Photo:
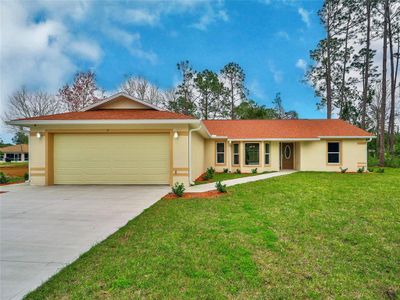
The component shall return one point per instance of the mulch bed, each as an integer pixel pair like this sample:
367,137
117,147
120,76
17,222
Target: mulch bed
14,171
209,194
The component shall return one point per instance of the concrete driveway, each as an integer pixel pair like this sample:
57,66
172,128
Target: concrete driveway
45,228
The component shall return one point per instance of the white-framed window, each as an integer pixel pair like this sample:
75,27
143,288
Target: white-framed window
236,155
252,154
267,154
26,156
220,153
333,152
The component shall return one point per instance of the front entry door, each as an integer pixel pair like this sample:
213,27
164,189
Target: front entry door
287,154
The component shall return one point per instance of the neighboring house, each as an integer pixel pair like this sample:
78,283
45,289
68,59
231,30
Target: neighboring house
14,153
125,141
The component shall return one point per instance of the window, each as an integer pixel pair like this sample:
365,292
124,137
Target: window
236,160
267,154
333,152
26,156
252,154
220,147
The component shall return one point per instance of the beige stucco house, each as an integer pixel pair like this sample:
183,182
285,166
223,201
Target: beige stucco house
121,140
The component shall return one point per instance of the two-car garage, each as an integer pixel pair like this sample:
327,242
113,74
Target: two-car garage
111,158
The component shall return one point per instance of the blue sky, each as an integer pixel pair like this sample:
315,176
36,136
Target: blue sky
45,42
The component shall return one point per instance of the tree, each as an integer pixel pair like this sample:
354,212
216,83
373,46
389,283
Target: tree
26,104
280,112
250,110
210,90
20,138
141,89
384,71
184,102
234,81
393,37
82,93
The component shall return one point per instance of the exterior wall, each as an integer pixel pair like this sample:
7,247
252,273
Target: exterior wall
41,168
314,156
198,155
122,103
210,157
37,159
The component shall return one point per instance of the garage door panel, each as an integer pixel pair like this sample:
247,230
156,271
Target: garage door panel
111,159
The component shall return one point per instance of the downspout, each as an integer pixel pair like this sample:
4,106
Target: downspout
190,152
368,140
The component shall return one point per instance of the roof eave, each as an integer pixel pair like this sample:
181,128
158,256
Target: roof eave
100,122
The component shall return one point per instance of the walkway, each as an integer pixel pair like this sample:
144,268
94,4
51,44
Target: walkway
211,186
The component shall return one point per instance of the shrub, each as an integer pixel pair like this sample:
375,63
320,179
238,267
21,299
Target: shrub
254,171
226,170
380,170
3,178
26,176
343,170
371,170
238,171
361,170
178,189
220,187
209,173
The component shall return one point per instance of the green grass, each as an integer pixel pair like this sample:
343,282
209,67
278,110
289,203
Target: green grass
305,235
14,164
227,176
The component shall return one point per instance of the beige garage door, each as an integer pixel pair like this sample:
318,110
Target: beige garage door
111,159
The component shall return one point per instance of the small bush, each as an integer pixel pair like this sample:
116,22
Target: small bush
26,176
220,187
371,170
209,173
3,178
226,170
361,170
380,170
178,189
343,170
238,171
254,171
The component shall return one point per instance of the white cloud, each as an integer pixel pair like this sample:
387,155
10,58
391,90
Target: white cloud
141,17
283,34
256,89
211,16
277,75
301,64
38,54
305,16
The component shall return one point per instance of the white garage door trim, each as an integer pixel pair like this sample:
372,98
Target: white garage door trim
111,158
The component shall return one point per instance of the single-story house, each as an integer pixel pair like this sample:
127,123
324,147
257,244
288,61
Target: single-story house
121,140
14,153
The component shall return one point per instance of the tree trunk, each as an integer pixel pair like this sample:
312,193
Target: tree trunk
342,88
391,130
383,103
366,69
328,76
232,102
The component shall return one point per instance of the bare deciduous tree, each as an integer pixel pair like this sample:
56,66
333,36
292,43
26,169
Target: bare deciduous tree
141,89
82,93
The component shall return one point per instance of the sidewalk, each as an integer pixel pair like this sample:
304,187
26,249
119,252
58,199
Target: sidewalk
211,186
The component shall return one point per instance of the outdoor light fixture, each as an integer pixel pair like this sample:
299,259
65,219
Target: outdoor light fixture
38,135
176,135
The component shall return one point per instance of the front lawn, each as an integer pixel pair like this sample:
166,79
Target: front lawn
304,235
13,164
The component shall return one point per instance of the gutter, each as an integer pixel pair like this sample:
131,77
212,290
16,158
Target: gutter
101,122
190,152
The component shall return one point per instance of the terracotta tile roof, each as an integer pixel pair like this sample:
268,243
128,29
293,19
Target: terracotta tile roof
113,114
21,148
249,129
